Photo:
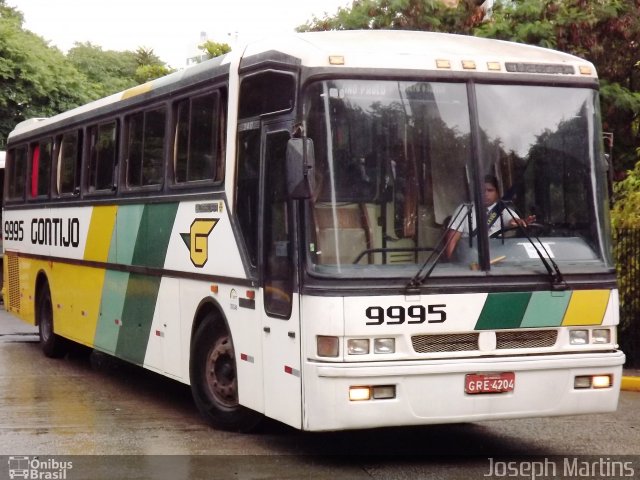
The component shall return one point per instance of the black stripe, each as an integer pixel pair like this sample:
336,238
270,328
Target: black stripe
155,272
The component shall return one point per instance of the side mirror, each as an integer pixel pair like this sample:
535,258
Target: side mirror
300,165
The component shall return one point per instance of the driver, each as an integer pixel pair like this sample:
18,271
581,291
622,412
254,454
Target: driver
498,217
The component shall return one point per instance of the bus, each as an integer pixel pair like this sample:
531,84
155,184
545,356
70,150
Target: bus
272,228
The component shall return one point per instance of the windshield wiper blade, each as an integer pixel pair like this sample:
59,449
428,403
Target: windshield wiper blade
555,275
440,248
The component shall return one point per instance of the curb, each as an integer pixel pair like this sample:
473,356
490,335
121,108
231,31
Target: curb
630,384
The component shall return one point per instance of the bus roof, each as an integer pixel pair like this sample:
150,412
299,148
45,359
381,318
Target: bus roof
370,49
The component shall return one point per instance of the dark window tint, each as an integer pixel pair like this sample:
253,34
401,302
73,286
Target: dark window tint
102,159
17,172
68,163
197,153
266,93
278,258
145,147
248,188
41,159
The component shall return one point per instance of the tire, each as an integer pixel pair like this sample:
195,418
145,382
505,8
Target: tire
214,383
53,346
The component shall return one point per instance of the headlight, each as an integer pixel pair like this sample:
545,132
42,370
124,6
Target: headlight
579,337
601,335
327,346
358,346
384,345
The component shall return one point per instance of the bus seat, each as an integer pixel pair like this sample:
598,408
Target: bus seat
352,233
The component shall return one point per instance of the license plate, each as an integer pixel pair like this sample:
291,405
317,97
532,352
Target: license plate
489,382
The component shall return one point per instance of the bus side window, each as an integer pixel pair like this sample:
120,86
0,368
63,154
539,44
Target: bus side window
197,155
102,157
267,92
17,173
41,159
145,148
68,172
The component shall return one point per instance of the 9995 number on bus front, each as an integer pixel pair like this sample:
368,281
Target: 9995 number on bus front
414,314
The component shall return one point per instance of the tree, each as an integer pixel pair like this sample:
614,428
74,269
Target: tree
36,80
107,72
430,15
213,49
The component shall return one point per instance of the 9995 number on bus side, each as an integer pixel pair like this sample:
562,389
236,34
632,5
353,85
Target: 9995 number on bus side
414,314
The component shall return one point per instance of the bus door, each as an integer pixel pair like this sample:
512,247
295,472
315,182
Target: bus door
280,307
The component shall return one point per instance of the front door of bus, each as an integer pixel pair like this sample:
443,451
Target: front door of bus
280,313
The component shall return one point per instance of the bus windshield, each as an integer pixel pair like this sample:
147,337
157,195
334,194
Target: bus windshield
399,165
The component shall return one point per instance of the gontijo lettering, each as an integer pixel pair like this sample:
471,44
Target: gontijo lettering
57,232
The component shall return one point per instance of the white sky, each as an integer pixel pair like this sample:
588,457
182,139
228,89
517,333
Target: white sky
170,27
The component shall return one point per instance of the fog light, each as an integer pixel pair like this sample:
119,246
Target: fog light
327,346
384,392
358,346
601,335
601,381
582,382
579,337
384,345
358,394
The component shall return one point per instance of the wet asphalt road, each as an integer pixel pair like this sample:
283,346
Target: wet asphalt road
113,420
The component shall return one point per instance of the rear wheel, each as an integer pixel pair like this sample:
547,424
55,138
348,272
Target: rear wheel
53,346
214,382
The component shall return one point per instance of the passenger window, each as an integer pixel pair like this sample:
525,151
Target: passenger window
69,156
102,157
145,148
17,173
41,159
197,153
267,92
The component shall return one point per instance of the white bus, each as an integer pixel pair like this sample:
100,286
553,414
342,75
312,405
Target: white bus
274,227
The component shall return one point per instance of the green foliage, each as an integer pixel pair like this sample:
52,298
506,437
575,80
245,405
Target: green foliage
107,72
36,80
213,49
431,15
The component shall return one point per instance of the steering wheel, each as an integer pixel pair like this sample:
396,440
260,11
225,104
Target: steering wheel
537,227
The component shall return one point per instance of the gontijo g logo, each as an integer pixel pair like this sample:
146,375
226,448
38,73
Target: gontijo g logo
197,240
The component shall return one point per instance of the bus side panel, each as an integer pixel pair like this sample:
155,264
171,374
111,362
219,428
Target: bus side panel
244,324
75,295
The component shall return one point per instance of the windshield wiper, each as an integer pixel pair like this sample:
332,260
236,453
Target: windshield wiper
555,275
441,246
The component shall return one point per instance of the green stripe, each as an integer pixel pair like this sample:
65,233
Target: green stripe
111,307
125,234
156,225
137,316
546,309
503,310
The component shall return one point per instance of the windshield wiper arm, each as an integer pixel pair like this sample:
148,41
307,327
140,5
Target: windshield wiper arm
441,247
555,275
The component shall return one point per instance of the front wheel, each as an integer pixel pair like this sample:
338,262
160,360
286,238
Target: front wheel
53,346
214,382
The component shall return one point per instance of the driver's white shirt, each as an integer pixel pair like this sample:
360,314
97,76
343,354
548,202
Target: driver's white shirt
460,221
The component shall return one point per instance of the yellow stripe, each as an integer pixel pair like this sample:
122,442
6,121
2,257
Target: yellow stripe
586,307
139,90
100,230
630,384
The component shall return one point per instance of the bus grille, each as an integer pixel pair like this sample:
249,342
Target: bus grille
468,342
456,342
526,339
13,282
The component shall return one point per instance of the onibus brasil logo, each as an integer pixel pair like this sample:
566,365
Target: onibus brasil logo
36,468
197,240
